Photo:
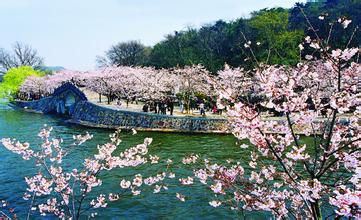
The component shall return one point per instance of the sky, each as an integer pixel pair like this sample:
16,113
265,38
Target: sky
71,33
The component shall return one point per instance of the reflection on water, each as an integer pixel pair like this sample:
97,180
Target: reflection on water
25,126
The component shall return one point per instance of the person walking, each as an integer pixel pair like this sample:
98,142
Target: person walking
161,108
220,108
181,106
145,107
201,109
164,104
214,109
156,107
119,102
171,106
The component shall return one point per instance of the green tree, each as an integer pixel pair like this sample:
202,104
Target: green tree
278,30
131,53
222,42
237,55
278,44
215,45
178,49
14,78
208,46
330,11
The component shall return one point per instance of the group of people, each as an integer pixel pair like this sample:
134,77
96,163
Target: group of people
167,105
208,105
160,106
216,109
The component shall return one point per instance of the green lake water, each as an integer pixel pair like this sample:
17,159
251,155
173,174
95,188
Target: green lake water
24,126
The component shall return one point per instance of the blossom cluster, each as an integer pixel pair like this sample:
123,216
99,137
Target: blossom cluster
66,190
314,139
124,82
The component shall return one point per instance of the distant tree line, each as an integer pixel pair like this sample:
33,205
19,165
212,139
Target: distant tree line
274,35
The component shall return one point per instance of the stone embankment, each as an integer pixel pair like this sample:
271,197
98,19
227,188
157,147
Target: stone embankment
69,102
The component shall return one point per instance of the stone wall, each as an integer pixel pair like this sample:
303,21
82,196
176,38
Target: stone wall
44,105
92,115
68,101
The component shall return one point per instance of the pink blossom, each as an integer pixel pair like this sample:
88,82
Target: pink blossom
180,197
191,159
39,185
186,181
298,153
153,159
113,197
51,206
100,202
217,188
202,175
82,138
157,189
138,180
348,202
125,184
215,203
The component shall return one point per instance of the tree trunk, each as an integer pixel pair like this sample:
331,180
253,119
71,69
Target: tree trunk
316,211
187,101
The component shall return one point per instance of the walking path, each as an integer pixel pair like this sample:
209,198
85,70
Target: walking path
94,98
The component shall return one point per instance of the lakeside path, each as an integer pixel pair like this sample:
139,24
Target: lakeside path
94,98
84,108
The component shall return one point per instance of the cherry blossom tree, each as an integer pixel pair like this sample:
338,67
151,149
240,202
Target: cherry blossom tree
33,87
314,147
45,86
303,164
125,82
128,82
190,80
233,79
65,190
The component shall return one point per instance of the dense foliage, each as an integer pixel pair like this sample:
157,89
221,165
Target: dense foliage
322,15
274,32
15,77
